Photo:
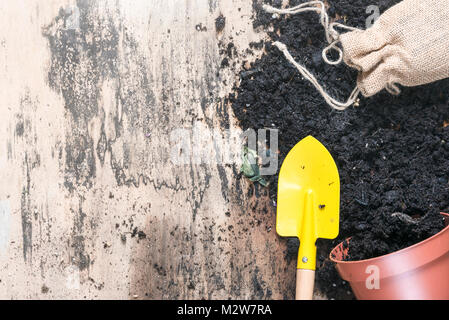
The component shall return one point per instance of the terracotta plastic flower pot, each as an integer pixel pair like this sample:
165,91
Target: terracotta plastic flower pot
419,272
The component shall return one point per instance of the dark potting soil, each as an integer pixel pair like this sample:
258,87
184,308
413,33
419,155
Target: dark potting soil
392,152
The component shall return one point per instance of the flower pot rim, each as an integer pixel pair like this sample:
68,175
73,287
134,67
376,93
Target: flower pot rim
388,254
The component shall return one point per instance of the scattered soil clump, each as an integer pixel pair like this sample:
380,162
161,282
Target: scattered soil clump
220,23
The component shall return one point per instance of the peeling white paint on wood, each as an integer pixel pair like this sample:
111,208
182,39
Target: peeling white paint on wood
5,214
97,210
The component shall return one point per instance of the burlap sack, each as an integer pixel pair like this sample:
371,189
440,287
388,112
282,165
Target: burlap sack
407,45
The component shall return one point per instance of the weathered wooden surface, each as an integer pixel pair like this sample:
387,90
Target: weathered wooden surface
87,108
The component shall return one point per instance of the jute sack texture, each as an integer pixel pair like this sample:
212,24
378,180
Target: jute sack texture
407,45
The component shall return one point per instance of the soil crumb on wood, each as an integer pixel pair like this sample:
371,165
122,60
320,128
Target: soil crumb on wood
220,23
392,152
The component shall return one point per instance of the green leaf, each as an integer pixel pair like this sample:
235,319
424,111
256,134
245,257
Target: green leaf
263,182
250,168
247,168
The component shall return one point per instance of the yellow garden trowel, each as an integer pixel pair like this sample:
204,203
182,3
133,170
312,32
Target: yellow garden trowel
308,205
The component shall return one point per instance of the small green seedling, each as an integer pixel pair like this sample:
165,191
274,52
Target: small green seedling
250,168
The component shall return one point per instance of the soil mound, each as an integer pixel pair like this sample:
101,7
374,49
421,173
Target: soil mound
392,151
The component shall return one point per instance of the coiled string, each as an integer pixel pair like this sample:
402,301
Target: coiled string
332,37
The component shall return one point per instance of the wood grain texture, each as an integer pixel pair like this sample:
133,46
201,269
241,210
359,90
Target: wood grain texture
93,205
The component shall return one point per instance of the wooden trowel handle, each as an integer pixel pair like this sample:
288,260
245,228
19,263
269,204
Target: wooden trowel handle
305,280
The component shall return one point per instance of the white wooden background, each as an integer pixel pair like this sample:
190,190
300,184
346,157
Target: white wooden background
90,92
